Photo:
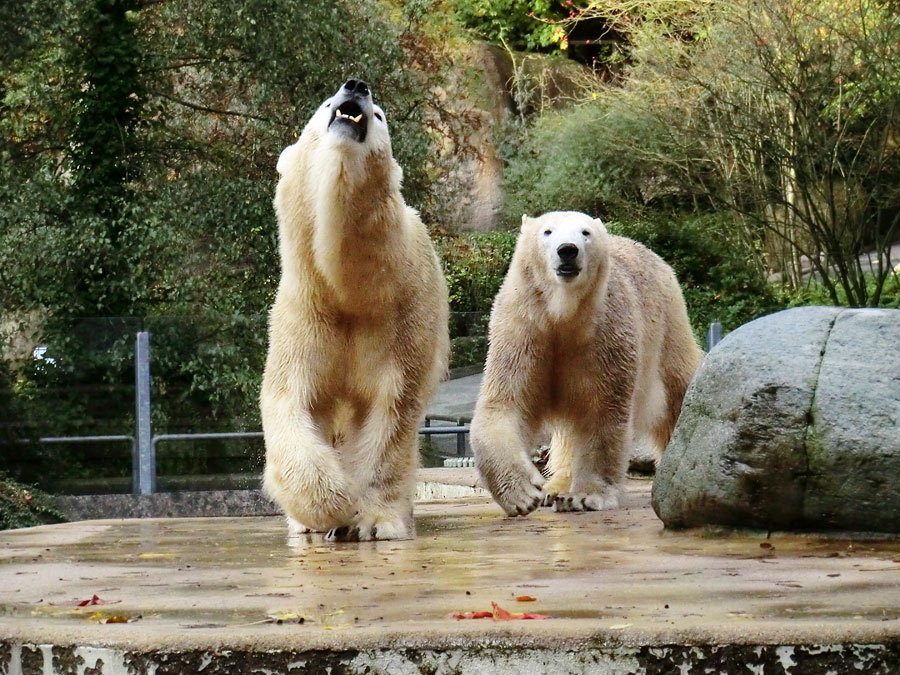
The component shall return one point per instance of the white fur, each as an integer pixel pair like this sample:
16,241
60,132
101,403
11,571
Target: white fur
577,229
596,348
358,336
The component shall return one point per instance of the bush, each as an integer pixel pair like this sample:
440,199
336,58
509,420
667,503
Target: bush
570,161
24,506
522,24
718,275
475,264
815,293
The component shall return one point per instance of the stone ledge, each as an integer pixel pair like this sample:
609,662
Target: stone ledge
431,485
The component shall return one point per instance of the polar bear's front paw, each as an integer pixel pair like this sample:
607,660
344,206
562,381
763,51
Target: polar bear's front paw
519,498
553,487
583,501
369,528
296,528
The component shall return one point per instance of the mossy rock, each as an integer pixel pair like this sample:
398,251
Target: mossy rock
792,422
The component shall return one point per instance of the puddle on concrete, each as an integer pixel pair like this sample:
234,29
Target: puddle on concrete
612,568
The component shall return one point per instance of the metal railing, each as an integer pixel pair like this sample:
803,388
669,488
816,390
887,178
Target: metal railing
144,443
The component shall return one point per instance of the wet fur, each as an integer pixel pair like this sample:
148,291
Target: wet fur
357,339
600,363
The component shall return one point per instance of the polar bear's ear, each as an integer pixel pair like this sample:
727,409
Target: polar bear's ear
285,158
525,220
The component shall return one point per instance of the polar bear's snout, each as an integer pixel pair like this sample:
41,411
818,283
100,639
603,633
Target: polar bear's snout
352,108
567,255
356,87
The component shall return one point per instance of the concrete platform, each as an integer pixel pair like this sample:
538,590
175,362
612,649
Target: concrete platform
233,595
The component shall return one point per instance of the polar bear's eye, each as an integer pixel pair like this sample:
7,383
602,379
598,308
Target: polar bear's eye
547,233
585,233
380,118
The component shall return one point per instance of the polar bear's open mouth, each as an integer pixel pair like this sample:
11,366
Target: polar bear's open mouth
350,116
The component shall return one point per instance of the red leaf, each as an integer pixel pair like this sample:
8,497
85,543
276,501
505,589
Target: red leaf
96,600
501,614
525,598
471,615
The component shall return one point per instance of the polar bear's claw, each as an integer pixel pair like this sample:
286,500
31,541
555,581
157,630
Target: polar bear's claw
296,528
520,499
581,501
370,529
343,533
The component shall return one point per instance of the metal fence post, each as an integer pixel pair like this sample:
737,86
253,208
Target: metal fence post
713,335
143,462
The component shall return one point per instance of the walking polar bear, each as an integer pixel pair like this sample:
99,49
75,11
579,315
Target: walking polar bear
589,339
358,333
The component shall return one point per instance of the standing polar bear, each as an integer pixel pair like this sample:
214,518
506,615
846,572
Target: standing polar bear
358,333
589,340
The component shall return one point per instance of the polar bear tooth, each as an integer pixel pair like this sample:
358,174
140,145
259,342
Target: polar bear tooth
357,118
337,113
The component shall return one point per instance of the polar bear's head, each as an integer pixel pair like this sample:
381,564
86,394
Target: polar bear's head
571,245
567,256
347,126
351,119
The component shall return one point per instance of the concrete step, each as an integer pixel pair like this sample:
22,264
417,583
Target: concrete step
235,595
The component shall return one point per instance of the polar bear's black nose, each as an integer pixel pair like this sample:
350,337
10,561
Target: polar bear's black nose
567,252
357,87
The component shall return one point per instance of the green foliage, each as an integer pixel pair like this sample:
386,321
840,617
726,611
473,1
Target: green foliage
521,24
815,293
569,160
137,151
468,350
25,506
475,264
781,113
784,115
107,104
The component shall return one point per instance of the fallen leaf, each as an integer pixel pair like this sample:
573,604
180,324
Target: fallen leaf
619,626
498,614
286,617
96,600
471,615
103,617
525,598
501,614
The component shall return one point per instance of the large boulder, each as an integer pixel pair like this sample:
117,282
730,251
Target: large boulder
791,422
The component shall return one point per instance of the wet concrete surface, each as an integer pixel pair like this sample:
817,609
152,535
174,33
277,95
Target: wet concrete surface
607,580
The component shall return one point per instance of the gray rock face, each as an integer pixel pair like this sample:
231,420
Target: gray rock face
792,422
